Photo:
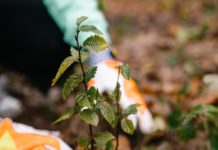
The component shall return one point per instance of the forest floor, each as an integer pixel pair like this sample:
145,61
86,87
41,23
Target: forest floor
172,48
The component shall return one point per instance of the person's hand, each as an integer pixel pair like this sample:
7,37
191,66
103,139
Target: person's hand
15,136
105,81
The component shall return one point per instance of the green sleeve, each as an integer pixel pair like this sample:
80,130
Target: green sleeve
65,13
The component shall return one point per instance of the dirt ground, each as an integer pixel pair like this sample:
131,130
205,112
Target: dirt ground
171,46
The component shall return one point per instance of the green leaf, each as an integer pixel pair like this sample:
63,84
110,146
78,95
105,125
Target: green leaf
116,121
83,141
68,114
90,73
107,112
70,84
94,94
81,19
63,67
109,146
211,113
210,108
193,114
111,95
127,126
187,132
117,92
206,110
213,140
126,71
184,90
214,143
84,56
96,43
131,109
89,116
212,117
82,99
102,138
75,55
174,118
90,28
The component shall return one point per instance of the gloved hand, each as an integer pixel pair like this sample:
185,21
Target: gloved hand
15,136
105,80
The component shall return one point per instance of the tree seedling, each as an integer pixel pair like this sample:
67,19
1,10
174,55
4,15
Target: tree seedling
205,116
89,102
121,116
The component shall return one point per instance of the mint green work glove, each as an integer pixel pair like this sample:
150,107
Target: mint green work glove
65,13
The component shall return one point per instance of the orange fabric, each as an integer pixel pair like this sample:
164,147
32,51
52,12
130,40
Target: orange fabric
130,87
132,91
39,148
91,83
28,141
112,63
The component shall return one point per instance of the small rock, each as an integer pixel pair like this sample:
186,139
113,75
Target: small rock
211,80
10,107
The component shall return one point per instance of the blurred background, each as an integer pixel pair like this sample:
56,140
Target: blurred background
171,46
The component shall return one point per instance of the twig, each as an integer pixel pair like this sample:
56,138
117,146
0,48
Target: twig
206,128
84,83
118,111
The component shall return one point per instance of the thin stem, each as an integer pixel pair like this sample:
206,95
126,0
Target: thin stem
91,134
79,48
118,111
206,128
117,137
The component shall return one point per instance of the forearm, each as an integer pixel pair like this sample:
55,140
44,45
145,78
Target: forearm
65,13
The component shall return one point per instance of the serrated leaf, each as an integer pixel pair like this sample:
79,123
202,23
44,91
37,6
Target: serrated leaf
68,114
96,43
90,28
111,95
82,99
116,121
81,19
213,140
193,114
75,55
84,56
127,126
90,73
94,94
109,146
89,116
212,117
117,92
107,112
63,67
206,110
69,85
126,71
174,118
131,109
210,108
83,141
102,138
187,132
211,113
